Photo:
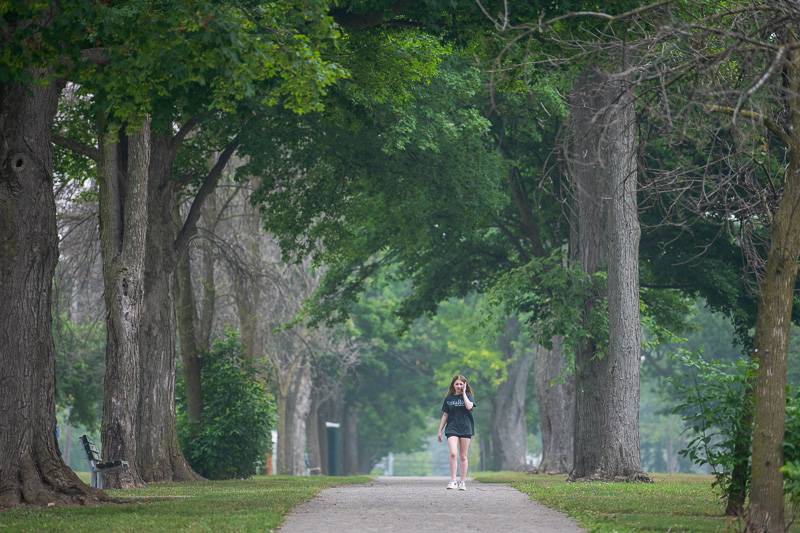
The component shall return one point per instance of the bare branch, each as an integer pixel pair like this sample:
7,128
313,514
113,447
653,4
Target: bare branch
76,146
768,123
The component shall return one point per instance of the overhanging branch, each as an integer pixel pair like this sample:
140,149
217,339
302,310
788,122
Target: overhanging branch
209,183
76,146
768,123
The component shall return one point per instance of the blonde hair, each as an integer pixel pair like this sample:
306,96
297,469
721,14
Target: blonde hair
459,377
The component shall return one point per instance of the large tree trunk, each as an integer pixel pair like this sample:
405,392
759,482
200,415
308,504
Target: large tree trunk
123,166
159,457
350,465
509,431
771,346
766,511
31,469
607,384
555,395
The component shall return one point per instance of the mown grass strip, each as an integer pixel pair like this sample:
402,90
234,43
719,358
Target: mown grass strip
674,503
257,504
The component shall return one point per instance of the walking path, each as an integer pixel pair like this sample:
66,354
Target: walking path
422,504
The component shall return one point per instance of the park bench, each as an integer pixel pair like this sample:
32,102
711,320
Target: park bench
99,467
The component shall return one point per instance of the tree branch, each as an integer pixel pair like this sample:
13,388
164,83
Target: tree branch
768,123
184,130
209,183
78,147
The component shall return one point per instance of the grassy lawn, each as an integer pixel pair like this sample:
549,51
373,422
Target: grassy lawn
257,504
673,503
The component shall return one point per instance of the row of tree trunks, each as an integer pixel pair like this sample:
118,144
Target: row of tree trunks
555,396
294,406
124,161
31,468
604,172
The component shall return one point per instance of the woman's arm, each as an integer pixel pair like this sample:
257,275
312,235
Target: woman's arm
442,422
468,404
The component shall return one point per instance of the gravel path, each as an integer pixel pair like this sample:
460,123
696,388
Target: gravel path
422,504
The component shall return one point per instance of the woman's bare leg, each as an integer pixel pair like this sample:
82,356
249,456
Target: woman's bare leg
452,443
464,456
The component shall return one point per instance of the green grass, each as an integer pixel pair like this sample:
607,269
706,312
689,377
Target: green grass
679,502
257,504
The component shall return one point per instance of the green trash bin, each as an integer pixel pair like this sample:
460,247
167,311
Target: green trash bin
334,445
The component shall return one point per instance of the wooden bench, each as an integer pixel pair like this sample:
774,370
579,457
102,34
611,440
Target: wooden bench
99,467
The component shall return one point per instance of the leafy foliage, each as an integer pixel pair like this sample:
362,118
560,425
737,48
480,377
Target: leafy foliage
791,450
551,297
716,400
80,366
237,417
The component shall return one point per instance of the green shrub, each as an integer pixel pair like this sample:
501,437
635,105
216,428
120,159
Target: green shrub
716,401
791,450
716,397
237,416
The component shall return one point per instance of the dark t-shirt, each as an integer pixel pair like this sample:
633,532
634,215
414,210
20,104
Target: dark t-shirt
459,420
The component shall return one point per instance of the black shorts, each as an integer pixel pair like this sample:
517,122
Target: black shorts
448,435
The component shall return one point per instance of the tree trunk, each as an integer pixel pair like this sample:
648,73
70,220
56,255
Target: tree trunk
323,416
555,395
766,513
248,295
31,469
350,464
186,312
159,457
294,405
209,301
509,432
123,181
486,449
312,439
773,323
607,384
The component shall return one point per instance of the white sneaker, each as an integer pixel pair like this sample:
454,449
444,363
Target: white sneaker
452,485
462,485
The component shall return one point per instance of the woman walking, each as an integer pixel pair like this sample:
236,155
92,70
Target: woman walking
458,426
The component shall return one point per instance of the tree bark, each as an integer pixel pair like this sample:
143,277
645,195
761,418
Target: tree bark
159,457
607,384
31,469
209,300
313,440
509,431
123,180
186,312
294,404
555,395
773,323
766,512
350,465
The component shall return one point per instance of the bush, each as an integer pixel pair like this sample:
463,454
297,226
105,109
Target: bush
716,401
791,450
237,416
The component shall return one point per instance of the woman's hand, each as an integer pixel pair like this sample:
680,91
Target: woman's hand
440,436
